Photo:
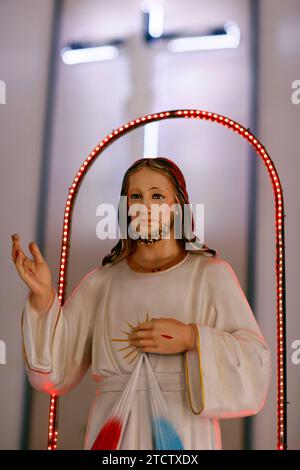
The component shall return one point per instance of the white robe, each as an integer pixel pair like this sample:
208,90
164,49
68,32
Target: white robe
227,376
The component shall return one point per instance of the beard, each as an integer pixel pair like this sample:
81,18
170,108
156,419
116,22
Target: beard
154,231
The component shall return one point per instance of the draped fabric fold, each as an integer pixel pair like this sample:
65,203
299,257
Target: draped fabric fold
229,372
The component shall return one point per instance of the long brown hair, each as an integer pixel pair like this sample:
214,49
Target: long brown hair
126,245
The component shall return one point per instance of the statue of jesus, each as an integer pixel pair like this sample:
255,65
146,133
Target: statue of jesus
172,298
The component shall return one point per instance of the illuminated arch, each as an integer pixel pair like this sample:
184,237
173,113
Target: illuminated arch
279,258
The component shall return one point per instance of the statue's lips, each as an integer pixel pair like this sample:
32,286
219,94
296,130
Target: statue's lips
148,220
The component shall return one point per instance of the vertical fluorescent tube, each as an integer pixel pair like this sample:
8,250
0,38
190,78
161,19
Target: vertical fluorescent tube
156,21
151,140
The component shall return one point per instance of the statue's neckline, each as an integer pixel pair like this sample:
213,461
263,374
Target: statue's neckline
158,272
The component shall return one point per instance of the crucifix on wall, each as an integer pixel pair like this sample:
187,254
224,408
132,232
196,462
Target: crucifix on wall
141,51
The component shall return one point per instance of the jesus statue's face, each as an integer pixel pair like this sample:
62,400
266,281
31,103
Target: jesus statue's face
154,192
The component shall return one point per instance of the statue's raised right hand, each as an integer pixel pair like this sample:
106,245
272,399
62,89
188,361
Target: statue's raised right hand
35,273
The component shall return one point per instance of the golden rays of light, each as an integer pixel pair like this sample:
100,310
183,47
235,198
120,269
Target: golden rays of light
127,340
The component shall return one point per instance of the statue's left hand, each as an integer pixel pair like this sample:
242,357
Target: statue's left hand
164,336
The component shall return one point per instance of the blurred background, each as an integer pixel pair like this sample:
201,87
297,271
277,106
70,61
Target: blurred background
73,70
